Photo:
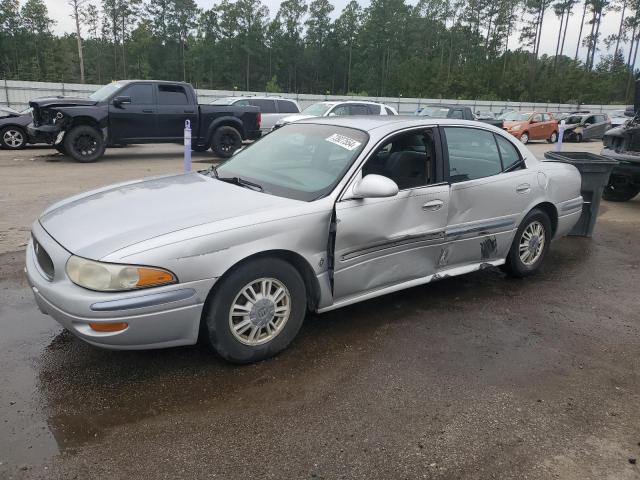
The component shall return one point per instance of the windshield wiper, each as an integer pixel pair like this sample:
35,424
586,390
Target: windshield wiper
240,182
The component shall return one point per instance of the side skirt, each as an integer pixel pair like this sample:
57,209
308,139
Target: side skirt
412,283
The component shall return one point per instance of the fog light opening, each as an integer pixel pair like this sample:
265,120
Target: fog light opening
109,327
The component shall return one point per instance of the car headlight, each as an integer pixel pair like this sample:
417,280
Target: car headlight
115,277
516,127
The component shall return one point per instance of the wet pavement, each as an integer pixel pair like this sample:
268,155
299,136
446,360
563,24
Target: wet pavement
479,376
474,377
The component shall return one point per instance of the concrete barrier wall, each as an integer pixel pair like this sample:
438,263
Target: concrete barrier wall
17,94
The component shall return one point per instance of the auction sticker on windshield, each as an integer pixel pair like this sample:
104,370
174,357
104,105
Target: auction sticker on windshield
343,141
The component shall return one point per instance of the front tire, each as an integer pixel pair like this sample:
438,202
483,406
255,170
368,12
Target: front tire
530,245
13,138
256,311
225,141
84,143
60,148
577,138
614,193
524,138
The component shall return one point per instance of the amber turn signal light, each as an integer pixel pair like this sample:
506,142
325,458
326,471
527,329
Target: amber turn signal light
109,327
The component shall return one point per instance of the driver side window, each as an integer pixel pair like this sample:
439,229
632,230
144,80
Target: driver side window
141,93
408,159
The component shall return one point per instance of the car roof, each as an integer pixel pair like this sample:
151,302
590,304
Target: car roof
338,102
256,97
372,122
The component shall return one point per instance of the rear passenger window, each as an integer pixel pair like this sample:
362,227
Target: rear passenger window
265,105
359,110
456,114
285,106
172,95
389,111
508,152
242,103
374,109
473,153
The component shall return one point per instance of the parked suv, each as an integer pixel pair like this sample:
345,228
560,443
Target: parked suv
531,126
272,108
332,109
586,126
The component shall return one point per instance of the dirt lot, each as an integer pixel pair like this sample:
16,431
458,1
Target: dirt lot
475,377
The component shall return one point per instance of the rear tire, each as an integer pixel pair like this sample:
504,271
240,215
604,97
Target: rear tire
553,138
530,245
624,193
524,138
225,141
13,138
245,330
84,143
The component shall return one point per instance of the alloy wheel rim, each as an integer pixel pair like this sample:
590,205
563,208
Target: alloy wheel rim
13,138
86,145
524,138
532,243
260,311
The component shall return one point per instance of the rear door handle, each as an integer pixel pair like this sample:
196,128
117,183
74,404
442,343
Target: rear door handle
523,188
147,110
433,205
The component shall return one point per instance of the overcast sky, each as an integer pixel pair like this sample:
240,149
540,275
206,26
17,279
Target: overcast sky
59,11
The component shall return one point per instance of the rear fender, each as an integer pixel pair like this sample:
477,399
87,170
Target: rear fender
226,120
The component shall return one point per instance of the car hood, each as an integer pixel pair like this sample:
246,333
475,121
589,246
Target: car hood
100,222
61,102
512,123
295,118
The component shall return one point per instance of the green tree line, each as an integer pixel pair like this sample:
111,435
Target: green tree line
467,49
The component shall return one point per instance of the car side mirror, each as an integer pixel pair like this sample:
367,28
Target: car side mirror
375,186
121,100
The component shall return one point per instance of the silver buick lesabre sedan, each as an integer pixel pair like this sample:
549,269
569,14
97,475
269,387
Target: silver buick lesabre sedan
320,214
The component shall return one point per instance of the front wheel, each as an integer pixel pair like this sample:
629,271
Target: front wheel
530,245
615,193
225,141
60,148
13,138
524,138
577,138
256,311
553,138
84,143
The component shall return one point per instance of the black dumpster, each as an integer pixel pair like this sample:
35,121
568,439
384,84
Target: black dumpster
595,171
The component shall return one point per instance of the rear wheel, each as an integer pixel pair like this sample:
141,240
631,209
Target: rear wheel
225,141
553,138
256,311
530,245
84,143
619,193
524,138
577,138
13,138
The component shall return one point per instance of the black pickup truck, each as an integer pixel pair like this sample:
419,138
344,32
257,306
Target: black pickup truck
140,111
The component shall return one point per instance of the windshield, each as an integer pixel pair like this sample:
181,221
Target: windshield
105,92
435,112
317,109
224,101
516,116
298,161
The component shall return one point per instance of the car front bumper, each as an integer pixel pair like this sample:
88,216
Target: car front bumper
43,133
157,317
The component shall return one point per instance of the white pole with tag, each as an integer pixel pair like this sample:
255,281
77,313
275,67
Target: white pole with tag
560,136
187,146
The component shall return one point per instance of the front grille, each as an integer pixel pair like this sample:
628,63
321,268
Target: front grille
44,260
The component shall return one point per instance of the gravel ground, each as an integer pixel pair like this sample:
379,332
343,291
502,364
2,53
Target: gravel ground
474,377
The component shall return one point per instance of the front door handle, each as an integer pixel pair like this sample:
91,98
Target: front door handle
433,205
523,188
147,110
